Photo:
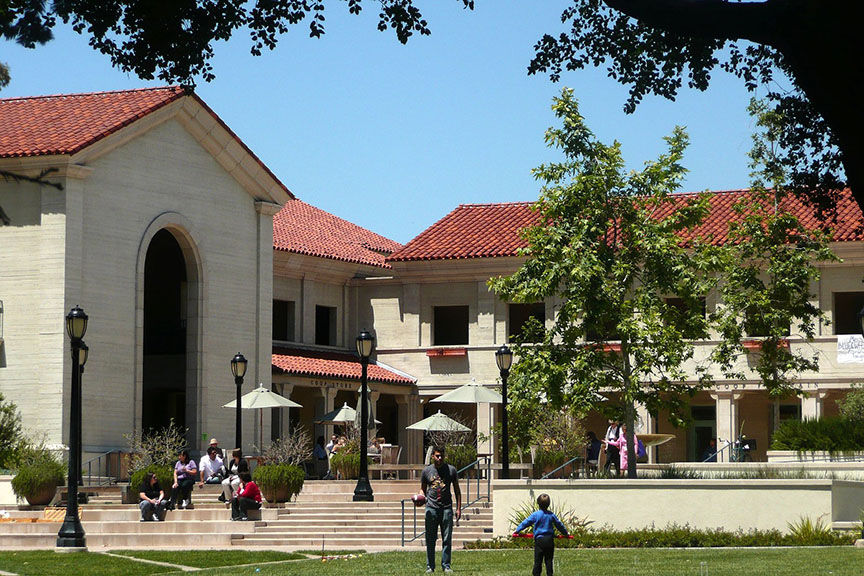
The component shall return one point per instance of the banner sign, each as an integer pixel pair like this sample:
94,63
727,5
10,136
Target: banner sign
850,349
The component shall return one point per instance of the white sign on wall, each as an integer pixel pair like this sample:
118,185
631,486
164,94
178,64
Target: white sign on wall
850,349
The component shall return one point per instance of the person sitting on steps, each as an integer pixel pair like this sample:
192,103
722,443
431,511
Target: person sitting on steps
237,465
184,480
152,498
248,497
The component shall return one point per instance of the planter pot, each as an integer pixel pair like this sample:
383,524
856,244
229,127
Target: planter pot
274,494
42,495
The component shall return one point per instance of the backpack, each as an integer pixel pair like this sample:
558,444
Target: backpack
640,449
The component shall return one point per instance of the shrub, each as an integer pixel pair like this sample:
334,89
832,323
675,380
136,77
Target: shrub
829,434
279,482
12,440
673,472
676,536
852,406
165,475
460,455
39,470
156,447
293,448
347,464
811,533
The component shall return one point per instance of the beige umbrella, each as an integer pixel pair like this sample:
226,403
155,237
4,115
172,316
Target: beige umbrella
471,393
260,399
439,422
343,415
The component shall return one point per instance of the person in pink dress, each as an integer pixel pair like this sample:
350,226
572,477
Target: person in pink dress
621,444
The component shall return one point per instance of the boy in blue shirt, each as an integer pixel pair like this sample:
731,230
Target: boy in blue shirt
544,523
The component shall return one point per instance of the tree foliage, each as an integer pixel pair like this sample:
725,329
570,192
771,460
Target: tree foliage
174,40
609,251
767,269
803,53
12,439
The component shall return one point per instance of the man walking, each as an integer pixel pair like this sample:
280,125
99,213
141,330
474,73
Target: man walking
435,483
613,455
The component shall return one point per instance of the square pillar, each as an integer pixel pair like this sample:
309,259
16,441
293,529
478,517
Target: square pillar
727,420
811,405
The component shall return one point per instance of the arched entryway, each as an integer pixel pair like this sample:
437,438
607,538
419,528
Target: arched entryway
168,327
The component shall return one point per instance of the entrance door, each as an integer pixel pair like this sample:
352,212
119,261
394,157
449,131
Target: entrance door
703,429
165,319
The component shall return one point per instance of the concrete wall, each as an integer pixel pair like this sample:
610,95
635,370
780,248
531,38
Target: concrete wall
728,504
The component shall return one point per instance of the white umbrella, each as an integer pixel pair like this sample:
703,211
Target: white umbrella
260,399
439,422
343,415
471,393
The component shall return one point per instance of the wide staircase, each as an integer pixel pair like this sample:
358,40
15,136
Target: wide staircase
323,515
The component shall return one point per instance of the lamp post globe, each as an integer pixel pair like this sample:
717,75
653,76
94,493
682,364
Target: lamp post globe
71,534
365,345
504,359
238,369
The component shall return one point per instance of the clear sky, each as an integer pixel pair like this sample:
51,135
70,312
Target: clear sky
393,137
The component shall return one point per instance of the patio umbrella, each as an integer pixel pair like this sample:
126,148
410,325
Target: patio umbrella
471,393
260,399
343,415
439,421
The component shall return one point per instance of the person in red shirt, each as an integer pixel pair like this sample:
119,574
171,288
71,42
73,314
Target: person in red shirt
248,497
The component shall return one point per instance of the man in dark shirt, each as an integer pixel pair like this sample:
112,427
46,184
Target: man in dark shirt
152,498
435,483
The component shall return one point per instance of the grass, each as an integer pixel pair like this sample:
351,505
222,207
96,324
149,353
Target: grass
834,561
211,558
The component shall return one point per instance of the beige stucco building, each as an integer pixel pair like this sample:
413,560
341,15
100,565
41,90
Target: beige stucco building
146,210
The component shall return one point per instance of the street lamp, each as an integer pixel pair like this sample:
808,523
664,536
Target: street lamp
363,492
83,352
71,534
504,359
238,368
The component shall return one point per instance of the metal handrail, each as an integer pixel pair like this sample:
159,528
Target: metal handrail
467,501
548,474
108,478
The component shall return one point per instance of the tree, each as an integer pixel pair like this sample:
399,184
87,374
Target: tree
11,434
767,269
610,249
657,46
174,40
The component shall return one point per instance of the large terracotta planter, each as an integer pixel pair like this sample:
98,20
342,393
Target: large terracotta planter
42,496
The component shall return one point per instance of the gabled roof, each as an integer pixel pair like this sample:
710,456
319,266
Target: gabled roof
493,230
67,123
343,365
303,229
472,231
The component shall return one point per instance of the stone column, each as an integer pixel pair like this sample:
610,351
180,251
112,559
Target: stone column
374,395
411,441
323,405
484,426
811,405
727,420
644,416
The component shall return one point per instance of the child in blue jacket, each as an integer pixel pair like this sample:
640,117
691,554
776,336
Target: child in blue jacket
544,523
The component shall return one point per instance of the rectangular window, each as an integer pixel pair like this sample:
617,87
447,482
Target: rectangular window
846,308
450,324
520,314
325,325
680,305
755,325
283,320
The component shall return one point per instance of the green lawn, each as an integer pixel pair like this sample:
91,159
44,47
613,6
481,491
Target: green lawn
210,558
837,561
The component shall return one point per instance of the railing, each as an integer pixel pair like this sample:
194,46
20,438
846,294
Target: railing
482,463
548,474
97,462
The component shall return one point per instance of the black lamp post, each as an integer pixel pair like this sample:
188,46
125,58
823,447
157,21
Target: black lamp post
238,368
83,352
363,492
504,358
71,534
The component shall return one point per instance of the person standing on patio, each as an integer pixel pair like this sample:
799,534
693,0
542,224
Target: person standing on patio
436,482
612,451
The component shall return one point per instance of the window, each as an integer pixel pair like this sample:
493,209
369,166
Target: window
681,305
756,325
450,324
520,314
283,320
325,325
846,308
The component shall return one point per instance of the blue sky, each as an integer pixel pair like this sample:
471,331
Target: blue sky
393,137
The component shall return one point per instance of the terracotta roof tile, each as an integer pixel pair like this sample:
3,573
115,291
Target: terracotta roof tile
492,230
67,123
472,231
303,229
304,362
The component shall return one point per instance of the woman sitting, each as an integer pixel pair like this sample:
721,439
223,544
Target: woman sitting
184,480
237,466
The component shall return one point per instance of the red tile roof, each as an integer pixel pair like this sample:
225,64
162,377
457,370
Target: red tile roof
305,362
492,230
67,123
303,229
472,231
